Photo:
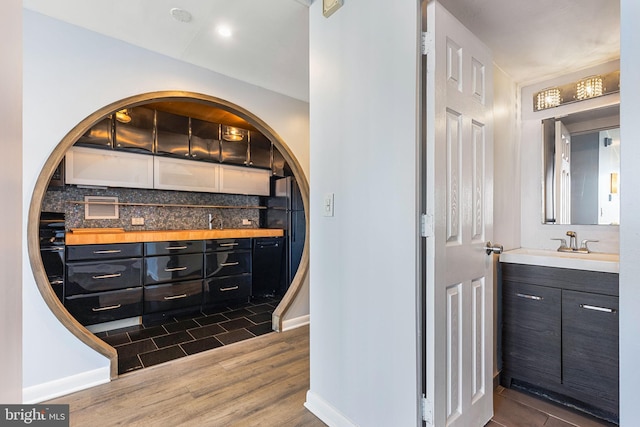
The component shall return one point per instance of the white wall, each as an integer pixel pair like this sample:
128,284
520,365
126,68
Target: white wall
68,74
11,214
534,233
630,216
363,98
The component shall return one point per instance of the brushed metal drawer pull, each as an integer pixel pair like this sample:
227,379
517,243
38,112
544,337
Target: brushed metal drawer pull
229,264
174,248
596,308
175,297
108,251
533,297
169,270
107,276
229,244
232,288
110,307
56,282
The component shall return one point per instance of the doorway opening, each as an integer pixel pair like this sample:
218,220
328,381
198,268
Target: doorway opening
177,102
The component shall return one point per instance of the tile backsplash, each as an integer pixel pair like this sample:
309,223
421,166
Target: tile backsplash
156,216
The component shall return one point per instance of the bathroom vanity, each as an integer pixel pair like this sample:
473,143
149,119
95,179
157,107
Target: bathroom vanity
560,327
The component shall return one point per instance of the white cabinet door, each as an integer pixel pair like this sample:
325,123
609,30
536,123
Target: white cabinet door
185,175
242,180
88,166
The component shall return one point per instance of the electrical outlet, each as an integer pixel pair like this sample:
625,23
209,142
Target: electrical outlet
137,221
246,221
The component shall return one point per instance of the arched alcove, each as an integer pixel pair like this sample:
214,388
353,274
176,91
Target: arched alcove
58,154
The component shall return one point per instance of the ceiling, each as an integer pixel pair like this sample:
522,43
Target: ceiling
530,40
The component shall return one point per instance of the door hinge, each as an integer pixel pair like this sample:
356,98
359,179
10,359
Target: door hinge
426,225
426,42
427,412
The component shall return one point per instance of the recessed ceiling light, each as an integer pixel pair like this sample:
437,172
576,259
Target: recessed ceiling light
180,15
224,31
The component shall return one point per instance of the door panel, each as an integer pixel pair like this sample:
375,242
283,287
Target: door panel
458,174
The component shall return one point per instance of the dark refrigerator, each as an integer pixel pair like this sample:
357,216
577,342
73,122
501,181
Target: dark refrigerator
285,210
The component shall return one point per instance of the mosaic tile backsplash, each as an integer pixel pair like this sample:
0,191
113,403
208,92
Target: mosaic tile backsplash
155,217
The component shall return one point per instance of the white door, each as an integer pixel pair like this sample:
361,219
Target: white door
459,199
563,174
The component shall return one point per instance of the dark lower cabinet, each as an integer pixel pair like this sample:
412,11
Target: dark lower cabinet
532,343
590,347
227,288
100,307
172,296
560,336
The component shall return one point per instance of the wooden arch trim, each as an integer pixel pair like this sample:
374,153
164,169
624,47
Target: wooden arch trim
35,207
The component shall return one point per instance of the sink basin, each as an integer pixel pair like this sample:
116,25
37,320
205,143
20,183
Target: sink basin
595,261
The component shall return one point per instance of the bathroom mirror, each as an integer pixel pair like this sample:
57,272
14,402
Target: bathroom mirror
581,168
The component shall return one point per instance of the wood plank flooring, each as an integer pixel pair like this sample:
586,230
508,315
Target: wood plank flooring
258,382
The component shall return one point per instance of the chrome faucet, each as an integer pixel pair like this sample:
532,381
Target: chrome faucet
573,240
573,244
211,218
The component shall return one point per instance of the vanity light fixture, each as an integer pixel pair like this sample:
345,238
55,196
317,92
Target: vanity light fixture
589,87
548,98
585,88
123,116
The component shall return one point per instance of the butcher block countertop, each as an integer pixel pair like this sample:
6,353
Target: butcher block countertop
89,236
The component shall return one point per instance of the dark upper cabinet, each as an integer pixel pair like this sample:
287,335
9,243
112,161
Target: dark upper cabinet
172,133
135,133
259,150
205,140
278,163
234,145
99,135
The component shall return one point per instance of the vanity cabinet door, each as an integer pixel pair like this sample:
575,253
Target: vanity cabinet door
590,347
531,333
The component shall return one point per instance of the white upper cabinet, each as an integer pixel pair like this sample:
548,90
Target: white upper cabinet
87,166
243,180
185,175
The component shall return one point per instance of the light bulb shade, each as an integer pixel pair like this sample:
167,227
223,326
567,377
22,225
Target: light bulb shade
548,98
589,87
233,134
123,116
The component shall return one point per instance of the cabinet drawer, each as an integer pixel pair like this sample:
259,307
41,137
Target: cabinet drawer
227,244
105,306
174,247
532,332
227,288
590,347
228,263
172,268
93,252
172,295
91,276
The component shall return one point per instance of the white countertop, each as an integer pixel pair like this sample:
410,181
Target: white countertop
595,261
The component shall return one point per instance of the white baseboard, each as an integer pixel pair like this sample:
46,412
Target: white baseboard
296,322
60,387
327,413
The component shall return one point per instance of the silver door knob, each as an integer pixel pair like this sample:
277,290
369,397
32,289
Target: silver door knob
495,248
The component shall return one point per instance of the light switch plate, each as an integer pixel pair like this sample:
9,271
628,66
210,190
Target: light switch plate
327,206
330,6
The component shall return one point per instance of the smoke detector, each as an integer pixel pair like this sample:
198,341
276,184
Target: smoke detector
180,15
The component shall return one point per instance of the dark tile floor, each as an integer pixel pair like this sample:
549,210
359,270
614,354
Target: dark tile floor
149,344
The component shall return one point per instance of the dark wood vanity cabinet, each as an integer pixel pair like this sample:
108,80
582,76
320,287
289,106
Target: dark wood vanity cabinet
560,335
532,343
